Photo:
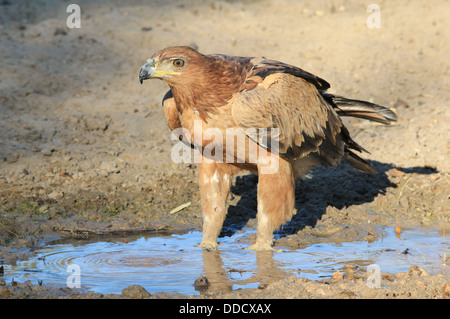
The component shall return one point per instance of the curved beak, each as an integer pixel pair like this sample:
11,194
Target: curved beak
147,70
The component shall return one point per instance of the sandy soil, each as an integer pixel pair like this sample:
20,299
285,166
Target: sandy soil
84,149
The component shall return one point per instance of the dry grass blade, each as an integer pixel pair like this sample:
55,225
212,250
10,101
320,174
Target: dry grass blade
178,208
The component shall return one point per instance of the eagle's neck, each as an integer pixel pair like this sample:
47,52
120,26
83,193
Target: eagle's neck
211,84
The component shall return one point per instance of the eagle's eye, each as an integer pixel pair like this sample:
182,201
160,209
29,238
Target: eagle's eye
178,63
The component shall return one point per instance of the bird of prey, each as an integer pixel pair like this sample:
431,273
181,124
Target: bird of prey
250,94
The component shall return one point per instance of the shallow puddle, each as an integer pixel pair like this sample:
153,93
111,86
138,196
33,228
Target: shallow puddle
172,263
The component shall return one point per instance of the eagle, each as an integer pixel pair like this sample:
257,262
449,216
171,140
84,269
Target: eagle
250,96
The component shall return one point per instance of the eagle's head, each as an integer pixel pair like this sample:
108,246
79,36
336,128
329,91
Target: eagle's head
197,79
170,64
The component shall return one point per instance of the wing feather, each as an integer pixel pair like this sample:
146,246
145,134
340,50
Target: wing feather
293,106
263,67
282,96
171,111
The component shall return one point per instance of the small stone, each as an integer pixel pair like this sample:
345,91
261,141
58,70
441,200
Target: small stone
201,283
135,292
446,291
416,271
319,13
350,271
108,166
47,151
263,285
12,158
337,275
60,31
388,276
65,174
56,195
395,172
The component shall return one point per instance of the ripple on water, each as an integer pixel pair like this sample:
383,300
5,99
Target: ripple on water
172,263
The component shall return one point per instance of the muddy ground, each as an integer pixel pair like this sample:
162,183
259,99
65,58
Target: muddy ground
85,150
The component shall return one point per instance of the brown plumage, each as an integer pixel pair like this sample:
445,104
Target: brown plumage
247,94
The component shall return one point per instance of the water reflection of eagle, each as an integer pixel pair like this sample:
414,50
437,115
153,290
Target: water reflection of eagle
252,93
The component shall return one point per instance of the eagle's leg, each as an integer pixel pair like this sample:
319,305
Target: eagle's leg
276,202
215,184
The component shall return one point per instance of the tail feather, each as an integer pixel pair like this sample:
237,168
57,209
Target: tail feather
358,162
360,109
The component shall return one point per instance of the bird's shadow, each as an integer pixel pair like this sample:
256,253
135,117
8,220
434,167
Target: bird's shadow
340,187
